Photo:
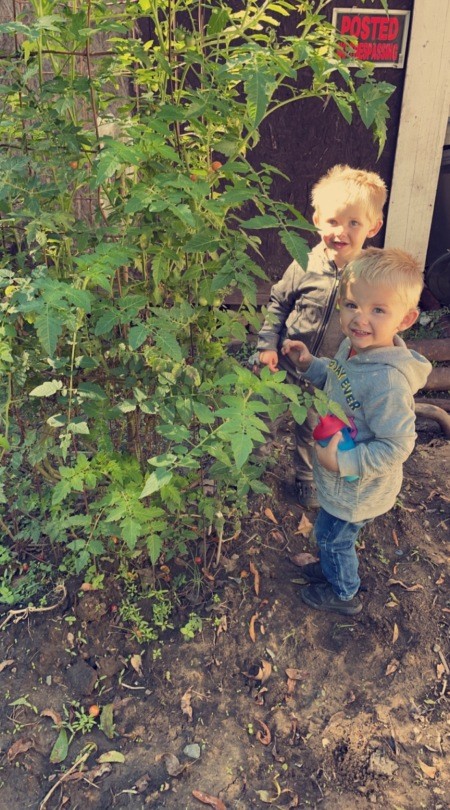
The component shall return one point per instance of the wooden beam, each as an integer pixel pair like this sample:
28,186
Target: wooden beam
423,124
432,348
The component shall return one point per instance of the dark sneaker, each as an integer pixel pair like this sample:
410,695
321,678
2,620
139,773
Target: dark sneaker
312,572
321,596
307,494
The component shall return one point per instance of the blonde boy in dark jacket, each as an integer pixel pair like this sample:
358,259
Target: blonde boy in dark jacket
348,209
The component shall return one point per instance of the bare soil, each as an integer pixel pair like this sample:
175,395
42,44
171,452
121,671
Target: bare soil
272,704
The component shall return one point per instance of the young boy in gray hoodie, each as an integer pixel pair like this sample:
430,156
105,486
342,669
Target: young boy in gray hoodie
374,377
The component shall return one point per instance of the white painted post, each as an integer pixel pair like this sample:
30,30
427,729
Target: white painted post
423,122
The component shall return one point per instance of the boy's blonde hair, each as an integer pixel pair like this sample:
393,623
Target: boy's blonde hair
391,266
349,186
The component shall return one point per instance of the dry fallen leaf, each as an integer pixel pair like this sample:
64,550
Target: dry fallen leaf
19,747
265,671
6,663
291,684
260,699
415,587
255,572
395,537
428,770
213,801
395,634
186,707
392,667
268,513
136,663
55,716
263,736
277,535
304,527
251,628
294,674
440,669
259,673
172,764
97,772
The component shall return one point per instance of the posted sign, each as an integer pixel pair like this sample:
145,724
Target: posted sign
378,37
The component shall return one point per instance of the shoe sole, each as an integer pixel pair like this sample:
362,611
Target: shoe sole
349,611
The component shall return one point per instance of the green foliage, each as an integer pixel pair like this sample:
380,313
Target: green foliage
193,626
161,607
129,209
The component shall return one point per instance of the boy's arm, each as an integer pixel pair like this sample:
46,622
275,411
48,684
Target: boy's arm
390,416
298,353
283,296
317,371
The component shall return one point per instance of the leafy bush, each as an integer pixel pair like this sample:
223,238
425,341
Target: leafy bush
129,209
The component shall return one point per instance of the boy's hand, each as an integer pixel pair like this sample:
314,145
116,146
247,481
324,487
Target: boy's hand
269,358
298,352
327,456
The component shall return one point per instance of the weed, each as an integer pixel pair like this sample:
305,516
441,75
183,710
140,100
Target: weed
193,626
160,604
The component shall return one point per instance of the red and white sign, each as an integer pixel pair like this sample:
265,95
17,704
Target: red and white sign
373,36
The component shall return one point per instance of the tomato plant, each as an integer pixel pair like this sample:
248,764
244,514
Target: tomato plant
125,190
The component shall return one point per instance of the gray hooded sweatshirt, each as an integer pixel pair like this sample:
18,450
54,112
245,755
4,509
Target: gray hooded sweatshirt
376,388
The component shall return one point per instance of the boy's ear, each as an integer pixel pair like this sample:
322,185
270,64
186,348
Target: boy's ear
316,218
409,319
373,231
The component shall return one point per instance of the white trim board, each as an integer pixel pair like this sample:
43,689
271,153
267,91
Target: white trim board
423,123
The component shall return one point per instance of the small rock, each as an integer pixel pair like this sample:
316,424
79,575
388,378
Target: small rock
381,765
193,751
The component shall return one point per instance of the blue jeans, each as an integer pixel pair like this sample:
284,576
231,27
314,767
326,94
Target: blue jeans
336,540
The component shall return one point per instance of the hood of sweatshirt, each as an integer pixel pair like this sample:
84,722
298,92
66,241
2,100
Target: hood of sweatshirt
414,367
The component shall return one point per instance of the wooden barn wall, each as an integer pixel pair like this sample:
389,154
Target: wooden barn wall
305,139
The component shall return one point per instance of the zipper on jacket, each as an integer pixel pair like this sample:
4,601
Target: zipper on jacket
329,308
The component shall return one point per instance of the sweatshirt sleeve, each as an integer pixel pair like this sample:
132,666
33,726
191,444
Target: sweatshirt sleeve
317,371
283,296
390,416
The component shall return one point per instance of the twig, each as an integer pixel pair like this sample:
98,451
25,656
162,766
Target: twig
128,686
81,758
23,613
444,662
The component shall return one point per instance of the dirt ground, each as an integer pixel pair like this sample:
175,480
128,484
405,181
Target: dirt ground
272,703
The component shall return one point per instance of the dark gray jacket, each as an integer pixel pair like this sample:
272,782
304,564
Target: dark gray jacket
301,303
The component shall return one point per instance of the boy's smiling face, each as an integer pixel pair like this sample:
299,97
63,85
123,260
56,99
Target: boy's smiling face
344,227
372,314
